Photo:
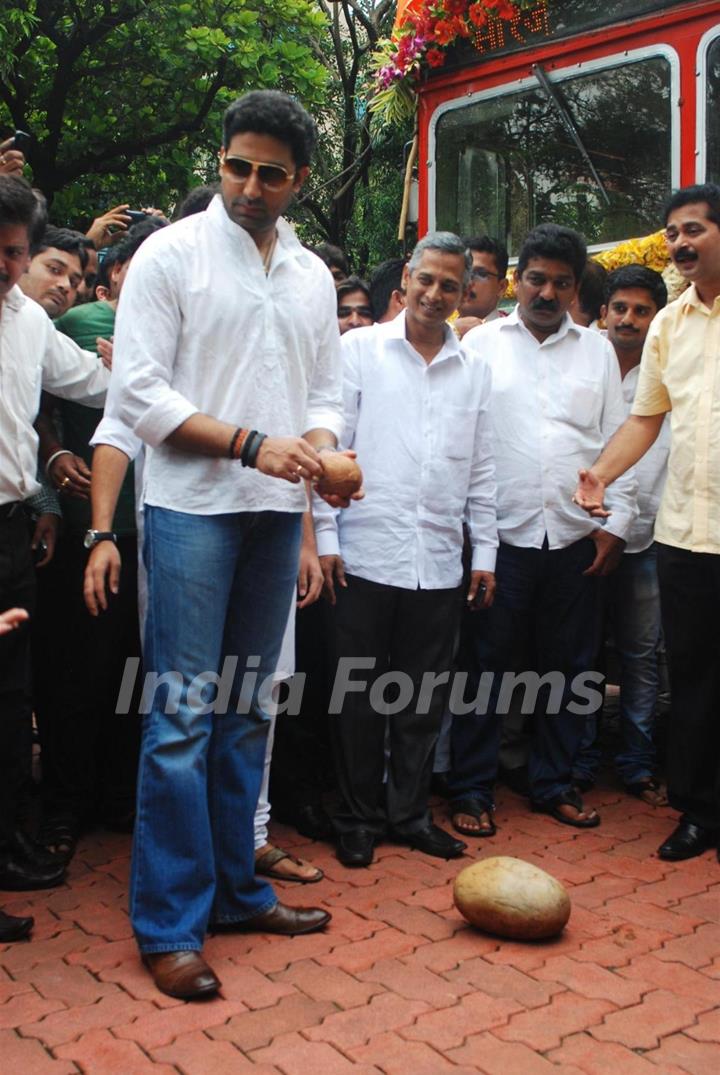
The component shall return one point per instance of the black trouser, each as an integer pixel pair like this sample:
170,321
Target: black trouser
690,599
89,752
17,588
408,633
544,621
301,767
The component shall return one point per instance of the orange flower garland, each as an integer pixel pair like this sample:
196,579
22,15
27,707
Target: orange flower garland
424,30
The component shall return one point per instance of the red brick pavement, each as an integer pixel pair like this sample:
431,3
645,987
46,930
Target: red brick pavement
399,984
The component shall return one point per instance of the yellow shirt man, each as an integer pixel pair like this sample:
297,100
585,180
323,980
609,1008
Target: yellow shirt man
680,373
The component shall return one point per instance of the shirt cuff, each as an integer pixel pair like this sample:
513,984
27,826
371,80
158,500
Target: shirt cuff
116,435
619,524
649,410
163,418
327,542
319,419
483,558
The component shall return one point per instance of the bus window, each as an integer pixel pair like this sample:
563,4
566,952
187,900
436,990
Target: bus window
712,104
507,161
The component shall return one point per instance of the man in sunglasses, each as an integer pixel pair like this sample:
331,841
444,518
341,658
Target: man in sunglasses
227,364
488,284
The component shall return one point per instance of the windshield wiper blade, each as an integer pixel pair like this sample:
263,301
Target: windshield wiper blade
569,123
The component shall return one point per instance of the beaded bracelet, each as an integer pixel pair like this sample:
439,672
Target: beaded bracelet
236,444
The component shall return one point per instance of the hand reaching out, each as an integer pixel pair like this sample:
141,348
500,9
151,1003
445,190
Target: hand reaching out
105,350
11,619
590,493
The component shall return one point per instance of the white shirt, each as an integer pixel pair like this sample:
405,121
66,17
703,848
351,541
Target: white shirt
554,405
422,436
200,327
33,356
650,473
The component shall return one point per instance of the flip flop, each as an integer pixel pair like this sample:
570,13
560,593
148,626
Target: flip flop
473,808
650,791
265,863
568,798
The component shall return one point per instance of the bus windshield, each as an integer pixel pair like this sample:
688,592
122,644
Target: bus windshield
594,154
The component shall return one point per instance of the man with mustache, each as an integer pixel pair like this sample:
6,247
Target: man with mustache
488,284
633,296
56,270
556,395
678,374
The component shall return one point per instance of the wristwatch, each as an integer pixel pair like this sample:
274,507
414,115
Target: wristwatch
94,537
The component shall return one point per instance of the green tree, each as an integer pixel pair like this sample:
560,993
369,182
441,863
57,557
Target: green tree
354,194
124,98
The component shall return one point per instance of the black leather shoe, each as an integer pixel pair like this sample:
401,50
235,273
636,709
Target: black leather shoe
686,842
14,929
288,921
309,820
183,974
355,848
22,876
23,849
432,841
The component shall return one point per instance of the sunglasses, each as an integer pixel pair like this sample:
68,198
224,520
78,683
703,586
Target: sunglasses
348,311
271,176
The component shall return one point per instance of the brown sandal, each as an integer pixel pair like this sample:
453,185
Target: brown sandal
552,807
650,791
265,866
472,808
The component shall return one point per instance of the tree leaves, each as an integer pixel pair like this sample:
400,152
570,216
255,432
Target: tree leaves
109,88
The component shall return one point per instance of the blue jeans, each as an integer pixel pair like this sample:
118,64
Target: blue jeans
218,587
633,611
544,619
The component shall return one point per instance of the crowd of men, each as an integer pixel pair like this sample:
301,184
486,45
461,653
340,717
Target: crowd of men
514,509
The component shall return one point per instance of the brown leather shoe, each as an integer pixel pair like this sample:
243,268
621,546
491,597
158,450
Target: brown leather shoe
281,919
182,974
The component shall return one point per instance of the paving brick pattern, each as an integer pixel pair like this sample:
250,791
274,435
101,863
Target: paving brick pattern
399,985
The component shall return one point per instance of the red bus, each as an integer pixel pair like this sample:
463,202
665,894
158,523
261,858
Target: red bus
585,112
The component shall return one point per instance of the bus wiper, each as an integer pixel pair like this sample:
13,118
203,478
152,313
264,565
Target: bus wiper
569,123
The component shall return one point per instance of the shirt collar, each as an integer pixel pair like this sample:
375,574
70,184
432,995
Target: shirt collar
690,297
567,325
287,242
395,330
15,298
